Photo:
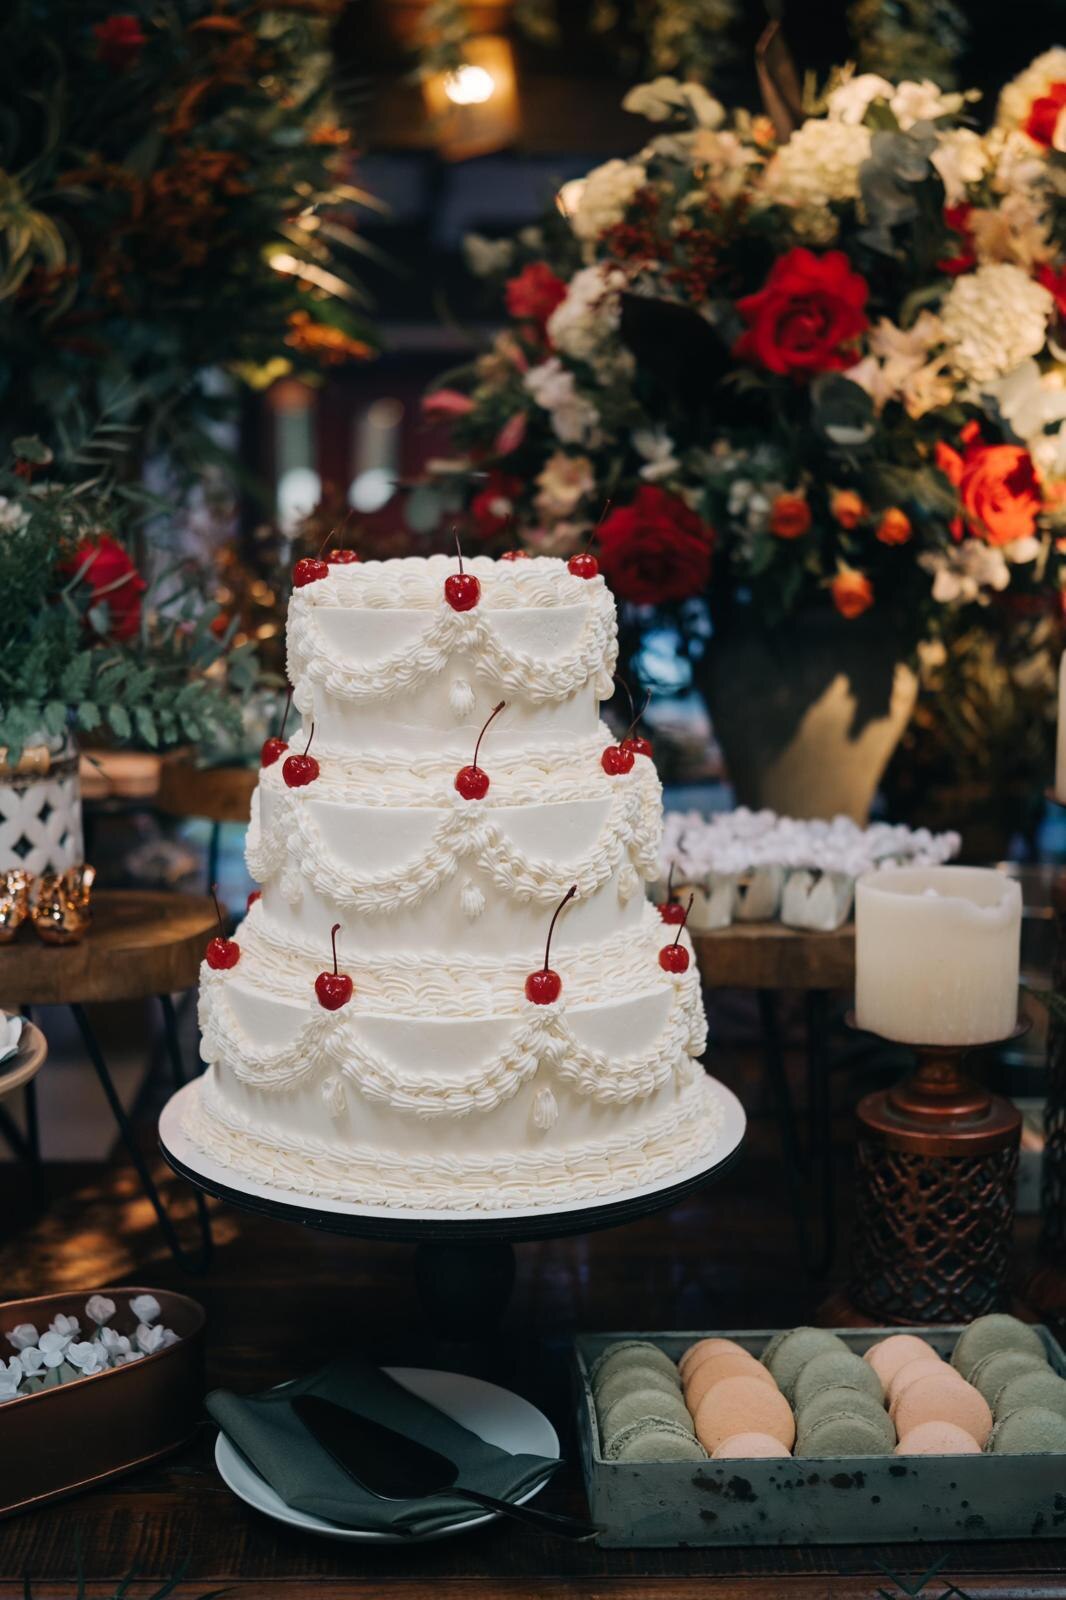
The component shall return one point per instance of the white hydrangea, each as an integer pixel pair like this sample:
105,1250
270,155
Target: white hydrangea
605,194
993,319
584,325
819,163
909,101
1016,99
575,420
665,97
851,99
961,158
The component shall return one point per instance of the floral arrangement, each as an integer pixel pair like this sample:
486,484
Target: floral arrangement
790,372
174,196
60,1354
87,643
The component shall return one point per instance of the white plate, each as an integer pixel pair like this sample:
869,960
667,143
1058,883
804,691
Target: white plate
495,1415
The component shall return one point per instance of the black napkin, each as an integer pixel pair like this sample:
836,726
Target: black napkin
266,1430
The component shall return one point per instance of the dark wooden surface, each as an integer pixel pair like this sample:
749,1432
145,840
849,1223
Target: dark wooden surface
767,955
221,794
280,1300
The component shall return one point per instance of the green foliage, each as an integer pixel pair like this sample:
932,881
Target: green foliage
909,38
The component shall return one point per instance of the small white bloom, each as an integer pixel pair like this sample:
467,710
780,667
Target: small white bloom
130,1355
67,1326
963,572
562,483
485,257
961,159
150,1339
1022,550
913,102
605,196
53,1347
116,1344
10,1378
574,419
13,517
820,163
99,1309
22,1336
32,1361
850,100
1016,230
664,98
584,325
993,319
145,1307
657,448
88,1356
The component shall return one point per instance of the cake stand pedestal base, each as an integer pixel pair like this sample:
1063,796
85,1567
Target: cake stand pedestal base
464,1263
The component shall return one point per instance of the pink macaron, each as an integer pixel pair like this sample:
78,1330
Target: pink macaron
935,1397
697,1353
743,1405
906,1374
937,1439
749,1447
716,1368
888,1355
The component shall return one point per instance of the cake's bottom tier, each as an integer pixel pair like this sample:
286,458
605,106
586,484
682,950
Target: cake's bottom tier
586,1153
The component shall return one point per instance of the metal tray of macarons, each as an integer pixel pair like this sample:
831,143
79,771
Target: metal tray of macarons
803,1443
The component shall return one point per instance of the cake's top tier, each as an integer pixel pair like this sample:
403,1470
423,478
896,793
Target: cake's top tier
383,663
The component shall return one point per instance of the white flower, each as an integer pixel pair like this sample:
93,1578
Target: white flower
898,367
145,1307
961,158
1022,551
151,1339
562,483
1020,165
606,193
10,1378
88,1357
913,102
99,1309
664,98
53,1347
850,100
1016,230
485,257
993,319
584,325
67,1326
657,448
962,572
12,515
574,419
116,1344
820,163
130,1355
22,1336
1016,100
32,1361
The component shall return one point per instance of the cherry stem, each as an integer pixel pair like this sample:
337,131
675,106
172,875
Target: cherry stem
333,932
684,919
459,551
310,736
285,713
670,884
593,532
636,719
333,532
494,713
218,911
568,896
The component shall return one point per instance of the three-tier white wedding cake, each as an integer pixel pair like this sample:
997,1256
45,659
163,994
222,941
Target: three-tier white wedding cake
437,1083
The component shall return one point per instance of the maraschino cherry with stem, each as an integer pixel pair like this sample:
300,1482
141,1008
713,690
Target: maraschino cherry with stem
515,555
473,782
461,589
544,987
334,989
584,564
275,747
311,569
343,555
221,954
674,957
631,741
299,771
671,910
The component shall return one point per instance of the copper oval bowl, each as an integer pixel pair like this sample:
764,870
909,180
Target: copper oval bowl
57,1441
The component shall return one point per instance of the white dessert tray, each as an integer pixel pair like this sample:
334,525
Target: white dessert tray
387,1223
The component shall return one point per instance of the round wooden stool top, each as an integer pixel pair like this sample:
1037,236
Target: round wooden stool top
27,1061
221,794
141,942
767,955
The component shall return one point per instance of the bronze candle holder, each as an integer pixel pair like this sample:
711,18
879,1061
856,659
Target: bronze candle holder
936,1167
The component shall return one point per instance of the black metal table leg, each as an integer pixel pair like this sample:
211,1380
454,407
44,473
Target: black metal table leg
807,1164
38,1187
197,1263
774,1057
820,1122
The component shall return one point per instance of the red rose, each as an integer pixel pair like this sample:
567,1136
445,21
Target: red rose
655,549
1055,283
1044,114
119,41
535,293
114,581
957,220
997,484
492,508
807,317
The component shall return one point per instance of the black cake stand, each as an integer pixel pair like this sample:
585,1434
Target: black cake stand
464,1265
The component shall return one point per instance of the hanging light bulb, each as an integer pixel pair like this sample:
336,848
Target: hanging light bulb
469,85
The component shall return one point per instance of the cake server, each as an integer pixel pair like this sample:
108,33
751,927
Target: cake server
393,1466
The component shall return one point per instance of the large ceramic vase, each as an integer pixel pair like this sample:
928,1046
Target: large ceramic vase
807,716
40,807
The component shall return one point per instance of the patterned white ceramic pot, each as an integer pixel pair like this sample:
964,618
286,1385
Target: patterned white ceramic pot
40,807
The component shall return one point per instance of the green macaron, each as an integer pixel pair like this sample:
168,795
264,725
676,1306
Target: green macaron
831,1402
654,1440
623,1380
1037,1387
1029,1431
633,1352
992,1372
836,1369
847,1434
641,1403
988,1334
799,1346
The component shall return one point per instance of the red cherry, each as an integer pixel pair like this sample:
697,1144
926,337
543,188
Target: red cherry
617,759
543,988
515,555
273,749
256,894
674,957
334,989
634,742
299,771
309,569
221,953
583,565
342,557
471,782
638,746
461,590
672,912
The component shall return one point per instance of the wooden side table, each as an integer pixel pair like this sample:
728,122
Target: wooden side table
767,957
219,794
142,943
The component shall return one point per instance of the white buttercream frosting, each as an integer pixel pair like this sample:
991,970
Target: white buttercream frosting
439,1085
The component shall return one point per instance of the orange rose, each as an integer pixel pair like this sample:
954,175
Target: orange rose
894,527
790,516
1000,493
847,508
852,592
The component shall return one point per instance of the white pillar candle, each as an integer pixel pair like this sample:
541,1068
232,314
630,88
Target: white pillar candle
1060,742
936,954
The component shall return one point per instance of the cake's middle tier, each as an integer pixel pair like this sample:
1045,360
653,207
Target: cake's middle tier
447,876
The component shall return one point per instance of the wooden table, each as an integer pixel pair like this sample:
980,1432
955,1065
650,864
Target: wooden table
219,794
141,943
767,955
